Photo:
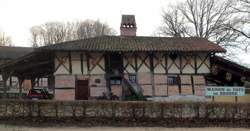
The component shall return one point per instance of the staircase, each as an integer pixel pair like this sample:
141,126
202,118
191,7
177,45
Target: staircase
134,87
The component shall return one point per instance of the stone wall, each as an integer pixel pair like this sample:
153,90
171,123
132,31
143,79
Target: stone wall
118,109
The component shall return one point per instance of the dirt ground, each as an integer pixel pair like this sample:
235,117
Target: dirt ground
20,128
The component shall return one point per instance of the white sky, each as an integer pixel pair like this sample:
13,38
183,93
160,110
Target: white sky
18,16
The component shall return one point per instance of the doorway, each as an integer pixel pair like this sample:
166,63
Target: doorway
82,90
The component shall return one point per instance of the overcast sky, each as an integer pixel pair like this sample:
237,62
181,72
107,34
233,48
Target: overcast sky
18,16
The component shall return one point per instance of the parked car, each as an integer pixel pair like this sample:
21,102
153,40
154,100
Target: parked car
38,93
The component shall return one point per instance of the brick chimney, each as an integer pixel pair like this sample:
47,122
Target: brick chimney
128,25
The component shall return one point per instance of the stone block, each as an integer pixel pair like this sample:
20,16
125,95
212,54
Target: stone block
160,79
185,79
161,90
199,80
97,80
199,90
116,90
147,90
144,78
186,90
97,91
173,90
62,81
64,94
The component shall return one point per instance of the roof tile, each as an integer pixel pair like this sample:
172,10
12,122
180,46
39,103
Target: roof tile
119,43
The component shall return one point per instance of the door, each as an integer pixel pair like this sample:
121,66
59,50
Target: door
114,64
82,90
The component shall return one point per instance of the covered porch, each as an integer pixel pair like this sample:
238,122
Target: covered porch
31,70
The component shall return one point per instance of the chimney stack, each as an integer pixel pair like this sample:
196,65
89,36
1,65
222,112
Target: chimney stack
128,25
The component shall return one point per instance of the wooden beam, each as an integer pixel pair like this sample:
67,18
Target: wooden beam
166,63
20,83
151,60
81,58
136,63
180,64
5,76
4,88
32,64
88,66
70,63
195,64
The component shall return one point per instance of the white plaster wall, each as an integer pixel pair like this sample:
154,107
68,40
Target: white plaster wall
174,69
96,69
76,67
62,69
159,68
143,68
129,68
62,81
188,69
64,94
85,67
203,68
98,91
76,63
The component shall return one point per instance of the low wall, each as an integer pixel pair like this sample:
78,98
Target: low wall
118,109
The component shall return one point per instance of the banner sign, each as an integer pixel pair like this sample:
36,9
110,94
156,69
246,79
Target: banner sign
225,91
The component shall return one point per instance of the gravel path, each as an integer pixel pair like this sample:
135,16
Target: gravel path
16,128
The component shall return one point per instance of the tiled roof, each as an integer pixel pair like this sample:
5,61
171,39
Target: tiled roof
124,44
10,52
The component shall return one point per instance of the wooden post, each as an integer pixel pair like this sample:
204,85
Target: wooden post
37,82
51,83
20,82
195,64
70,63
33,82
5,76
10,81
151,59
4,87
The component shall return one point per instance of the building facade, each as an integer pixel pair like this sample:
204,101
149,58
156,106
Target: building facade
116,67
153,66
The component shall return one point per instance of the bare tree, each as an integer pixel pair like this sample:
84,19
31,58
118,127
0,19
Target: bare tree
205,19
56,32
90,28
173,23
242,9
5,40
37,36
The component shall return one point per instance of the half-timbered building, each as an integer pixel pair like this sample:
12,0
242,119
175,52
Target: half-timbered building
115,67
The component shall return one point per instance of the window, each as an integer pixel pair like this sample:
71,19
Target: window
97,81
115,81
132,78
173,80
